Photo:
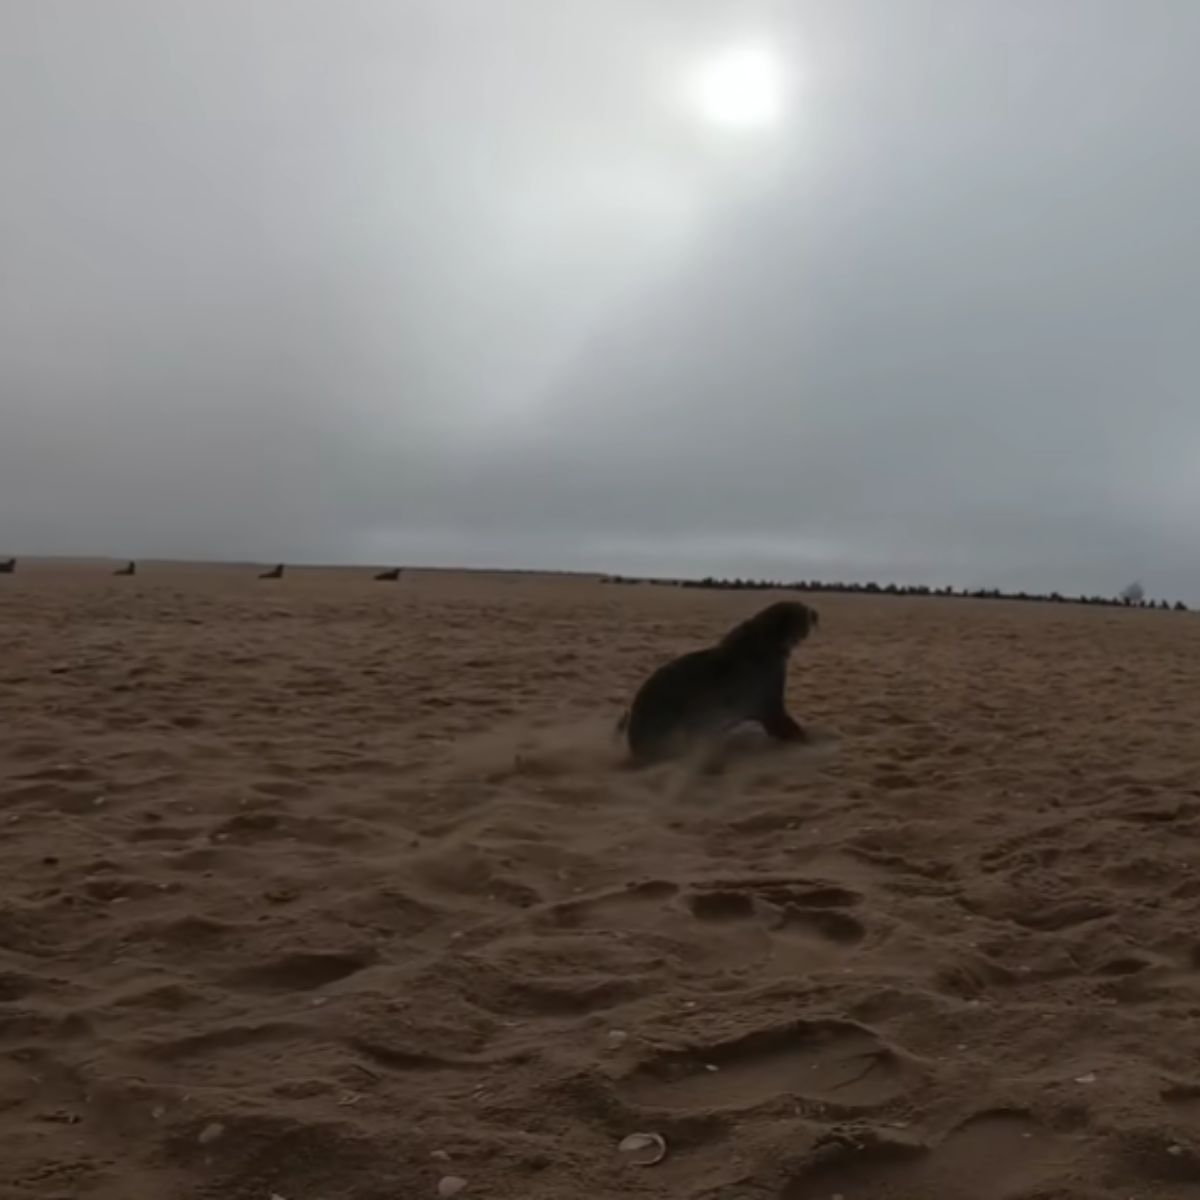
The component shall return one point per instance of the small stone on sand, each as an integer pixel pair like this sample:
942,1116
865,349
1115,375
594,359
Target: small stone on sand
210,1133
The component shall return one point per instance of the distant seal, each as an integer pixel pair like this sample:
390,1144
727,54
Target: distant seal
130,569
707,692
388,576
273,573
8,567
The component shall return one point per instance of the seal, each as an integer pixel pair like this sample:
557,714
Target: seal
705,693
130,569
8,567
388,576
273,573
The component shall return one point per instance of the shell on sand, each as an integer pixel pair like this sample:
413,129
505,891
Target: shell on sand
644,1149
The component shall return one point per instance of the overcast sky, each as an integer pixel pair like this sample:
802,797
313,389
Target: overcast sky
551,283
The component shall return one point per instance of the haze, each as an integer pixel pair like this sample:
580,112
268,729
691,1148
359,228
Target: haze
500,284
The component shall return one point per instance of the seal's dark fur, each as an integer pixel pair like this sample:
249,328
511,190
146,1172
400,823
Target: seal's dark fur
706,692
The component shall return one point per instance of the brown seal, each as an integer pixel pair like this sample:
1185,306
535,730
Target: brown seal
705,693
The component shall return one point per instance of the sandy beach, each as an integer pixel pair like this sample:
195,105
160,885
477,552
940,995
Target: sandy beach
327,889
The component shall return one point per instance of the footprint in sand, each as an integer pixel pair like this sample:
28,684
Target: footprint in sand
637,906
213,1043
790,925
833,1063
300,971
1140,978
798,914
991,1156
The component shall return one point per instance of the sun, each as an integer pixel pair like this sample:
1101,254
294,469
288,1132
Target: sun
739,88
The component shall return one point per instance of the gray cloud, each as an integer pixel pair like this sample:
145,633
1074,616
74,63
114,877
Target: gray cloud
469,282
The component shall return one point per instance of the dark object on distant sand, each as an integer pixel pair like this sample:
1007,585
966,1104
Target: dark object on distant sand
707,692
130,569
388,576
7,568
273,573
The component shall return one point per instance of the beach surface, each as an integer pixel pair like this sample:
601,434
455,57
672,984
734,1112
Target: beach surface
327,889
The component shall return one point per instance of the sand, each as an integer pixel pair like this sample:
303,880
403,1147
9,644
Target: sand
325,889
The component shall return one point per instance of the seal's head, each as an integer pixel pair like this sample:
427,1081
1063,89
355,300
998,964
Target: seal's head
775,631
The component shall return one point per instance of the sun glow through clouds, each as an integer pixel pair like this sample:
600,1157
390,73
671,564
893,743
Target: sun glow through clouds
739,88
